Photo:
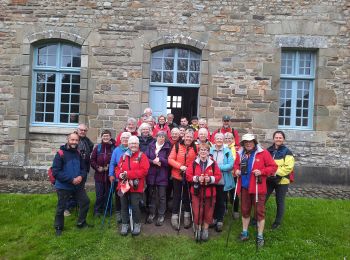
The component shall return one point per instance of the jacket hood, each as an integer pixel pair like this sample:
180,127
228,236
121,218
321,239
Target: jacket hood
210,161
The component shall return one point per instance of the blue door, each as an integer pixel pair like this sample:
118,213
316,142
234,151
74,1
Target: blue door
158,100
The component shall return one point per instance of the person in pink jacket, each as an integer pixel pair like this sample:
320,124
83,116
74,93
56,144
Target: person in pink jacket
252,166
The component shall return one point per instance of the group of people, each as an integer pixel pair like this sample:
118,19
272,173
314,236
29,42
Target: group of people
154,163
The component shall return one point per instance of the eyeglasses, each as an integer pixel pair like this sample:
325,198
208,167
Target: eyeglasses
133,143
203,150
83,130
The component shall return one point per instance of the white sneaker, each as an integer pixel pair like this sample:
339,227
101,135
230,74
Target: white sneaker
66,213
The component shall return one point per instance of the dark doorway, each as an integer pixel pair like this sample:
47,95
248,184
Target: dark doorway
182,102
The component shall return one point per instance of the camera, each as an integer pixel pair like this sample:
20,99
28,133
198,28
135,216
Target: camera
196,188
244,167
135,183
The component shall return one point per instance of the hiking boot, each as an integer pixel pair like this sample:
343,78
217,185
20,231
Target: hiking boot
235,215
244,236
67,213
174,221
160,221
260,241
150,219
213,224
84,224
124,230
58,232
137,229
219,226
187,219
275,225
205,235
118,216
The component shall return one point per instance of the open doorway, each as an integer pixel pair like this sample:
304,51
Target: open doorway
182,102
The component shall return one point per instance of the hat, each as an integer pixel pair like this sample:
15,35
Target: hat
194,118
226,118
248,137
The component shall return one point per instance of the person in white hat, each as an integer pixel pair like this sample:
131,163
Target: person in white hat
252,166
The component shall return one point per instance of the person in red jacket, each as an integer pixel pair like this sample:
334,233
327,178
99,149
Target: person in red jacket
203,174
131,127
252,165
181,157
131,172
226,128
161,126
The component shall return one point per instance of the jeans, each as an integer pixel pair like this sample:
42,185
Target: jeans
63,196
132,199
281,191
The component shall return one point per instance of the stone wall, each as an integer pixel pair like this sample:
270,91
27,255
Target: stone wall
241,45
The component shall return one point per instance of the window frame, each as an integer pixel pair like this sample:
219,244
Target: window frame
294,77
59,72
176,57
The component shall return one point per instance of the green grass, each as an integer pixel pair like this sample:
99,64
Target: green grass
313,229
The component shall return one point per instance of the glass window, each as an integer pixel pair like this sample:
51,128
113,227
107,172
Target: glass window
296,90
176,66
56,84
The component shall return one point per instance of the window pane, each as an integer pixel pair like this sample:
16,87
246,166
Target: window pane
66,61
182,64
64,118
76,51
298,122
168,64
66,78
50,97
50,87
194,65
76,62
156,64
167,77
39,117
67,50
42,60
74,109
39,107
64,108
49,107
51,49
65,88
194,78
40,97
168,98
49,117
305,122
169,52
181,77
51,60
287,121
74,118
74,99
195,55
76,79
75,89
64,98
183,53
281,121
158,54
156,76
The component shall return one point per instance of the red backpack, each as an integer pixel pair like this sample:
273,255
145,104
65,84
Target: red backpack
52,178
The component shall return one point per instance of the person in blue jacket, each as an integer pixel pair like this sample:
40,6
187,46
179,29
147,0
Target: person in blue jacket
70,174
223,156
116,155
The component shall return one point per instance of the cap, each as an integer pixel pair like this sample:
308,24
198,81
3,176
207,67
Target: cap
248,137
226,118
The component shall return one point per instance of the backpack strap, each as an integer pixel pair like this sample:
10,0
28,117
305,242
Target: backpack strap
233,132
99,149
60,153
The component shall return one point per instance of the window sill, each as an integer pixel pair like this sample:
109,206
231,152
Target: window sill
51,130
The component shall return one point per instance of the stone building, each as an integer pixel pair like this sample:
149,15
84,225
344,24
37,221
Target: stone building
268,64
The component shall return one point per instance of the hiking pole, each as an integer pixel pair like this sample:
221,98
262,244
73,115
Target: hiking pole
256,210
197,233
231,224
203,206
110,194
190,199
178,225
130,213
110,204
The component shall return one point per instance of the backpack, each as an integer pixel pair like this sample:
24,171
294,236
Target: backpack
138,158
52,178
99,148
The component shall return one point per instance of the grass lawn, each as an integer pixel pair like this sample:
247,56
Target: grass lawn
313,229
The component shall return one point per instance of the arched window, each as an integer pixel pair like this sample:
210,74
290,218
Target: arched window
175,67
56,84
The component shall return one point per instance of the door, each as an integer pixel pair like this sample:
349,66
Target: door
158,100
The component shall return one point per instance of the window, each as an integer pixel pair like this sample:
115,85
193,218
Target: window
56,85
297,90
173,102
175,66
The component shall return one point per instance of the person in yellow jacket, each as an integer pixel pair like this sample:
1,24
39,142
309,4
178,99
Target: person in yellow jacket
280,182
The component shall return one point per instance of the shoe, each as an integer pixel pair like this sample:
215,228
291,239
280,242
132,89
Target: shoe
260,241
235,215
84,225
118,216
205,235
124,230
187,219
150,219
67,213
219,226
58,232
275,225
174,221
137,229
160,221
213,224
243,236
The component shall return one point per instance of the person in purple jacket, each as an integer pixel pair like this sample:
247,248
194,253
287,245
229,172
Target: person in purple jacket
100,158
157,178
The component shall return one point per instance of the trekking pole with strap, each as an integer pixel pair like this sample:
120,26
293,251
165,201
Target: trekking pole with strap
190,199
109,200
231,224
180,209
256,211
198,229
